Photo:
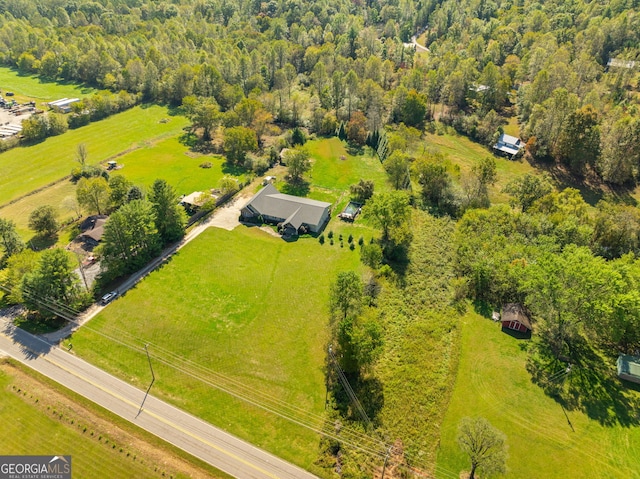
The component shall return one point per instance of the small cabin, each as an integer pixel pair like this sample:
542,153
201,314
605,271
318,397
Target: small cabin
508,145
516,318
629,368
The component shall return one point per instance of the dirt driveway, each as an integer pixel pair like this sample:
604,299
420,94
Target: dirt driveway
227,216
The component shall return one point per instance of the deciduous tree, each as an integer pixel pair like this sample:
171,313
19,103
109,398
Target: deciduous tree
238,141
484,444
298,164
93,194
9,238
525,190
53,283
391,213
362,191
130,239
170,217
43,220
397,168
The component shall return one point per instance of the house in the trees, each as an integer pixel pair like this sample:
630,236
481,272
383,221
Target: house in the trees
621,63
508,145
516,318
629,368
293,214
93,229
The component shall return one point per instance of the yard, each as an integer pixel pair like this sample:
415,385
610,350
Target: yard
240,310
25,169
492,382
56,195
171,160
40,418
464,153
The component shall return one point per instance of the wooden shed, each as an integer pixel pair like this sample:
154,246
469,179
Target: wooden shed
515,317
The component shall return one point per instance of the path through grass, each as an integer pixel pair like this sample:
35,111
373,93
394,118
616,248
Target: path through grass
492,382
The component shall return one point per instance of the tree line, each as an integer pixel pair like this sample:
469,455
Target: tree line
320,64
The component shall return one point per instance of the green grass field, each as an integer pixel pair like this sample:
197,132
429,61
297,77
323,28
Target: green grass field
334,175
246,311
492,382
28,168
171,160
41,419
32,87
55,196
465,153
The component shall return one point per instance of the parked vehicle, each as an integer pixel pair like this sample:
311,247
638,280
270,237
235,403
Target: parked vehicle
107,298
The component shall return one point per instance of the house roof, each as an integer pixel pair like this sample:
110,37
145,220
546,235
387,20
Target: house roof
291,209
506,149
516,312
620,63
629,365
509,139
193,199
93,227
508,144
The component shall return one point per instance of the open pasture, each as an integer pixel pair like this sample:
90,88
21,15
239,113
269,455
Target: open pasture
240,311
492,382
27,168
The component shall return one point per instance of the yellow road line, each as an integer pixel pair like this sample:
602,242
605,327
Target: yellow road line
161,419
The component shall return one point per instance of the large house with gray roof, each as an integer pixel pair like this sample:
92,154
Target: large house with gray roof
295,214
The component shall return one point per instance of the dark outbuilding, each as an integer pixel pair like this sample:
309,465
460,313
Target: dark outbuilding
515,317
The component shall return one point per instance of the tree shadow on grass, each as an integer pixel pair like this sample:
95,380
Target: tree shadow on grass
354,150
39,242
587,382
368,391
189,139
300,188
232,169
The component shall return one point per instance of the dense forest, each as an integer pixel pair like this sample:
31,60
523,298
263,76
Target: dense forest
313,64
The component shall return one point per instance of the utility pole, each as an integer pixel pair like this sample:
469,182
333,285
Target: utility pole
386,458
84,278
153,379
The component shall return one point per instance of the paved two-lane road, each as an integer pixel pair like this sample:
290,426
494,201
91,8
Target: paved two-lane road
214,446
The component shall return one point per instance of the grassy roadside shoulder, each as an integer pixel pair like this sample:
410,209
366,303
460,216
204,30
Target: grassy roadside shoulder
42,417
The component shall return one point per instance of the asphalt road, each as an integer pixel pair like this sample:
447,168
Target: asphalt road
204,441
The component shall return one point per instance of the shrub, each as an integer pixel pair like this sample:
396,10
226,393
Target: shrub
206,164
321,239
330,235
350,239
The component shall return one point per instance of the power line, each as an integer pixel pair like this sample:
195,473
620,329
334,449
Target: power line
362,442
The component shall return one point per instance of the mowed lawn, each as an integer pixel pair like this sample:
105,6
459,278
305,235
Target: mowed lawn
31,86
492,382
242,310
465,153
31,428
56,195
172,161
331,176
28,168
